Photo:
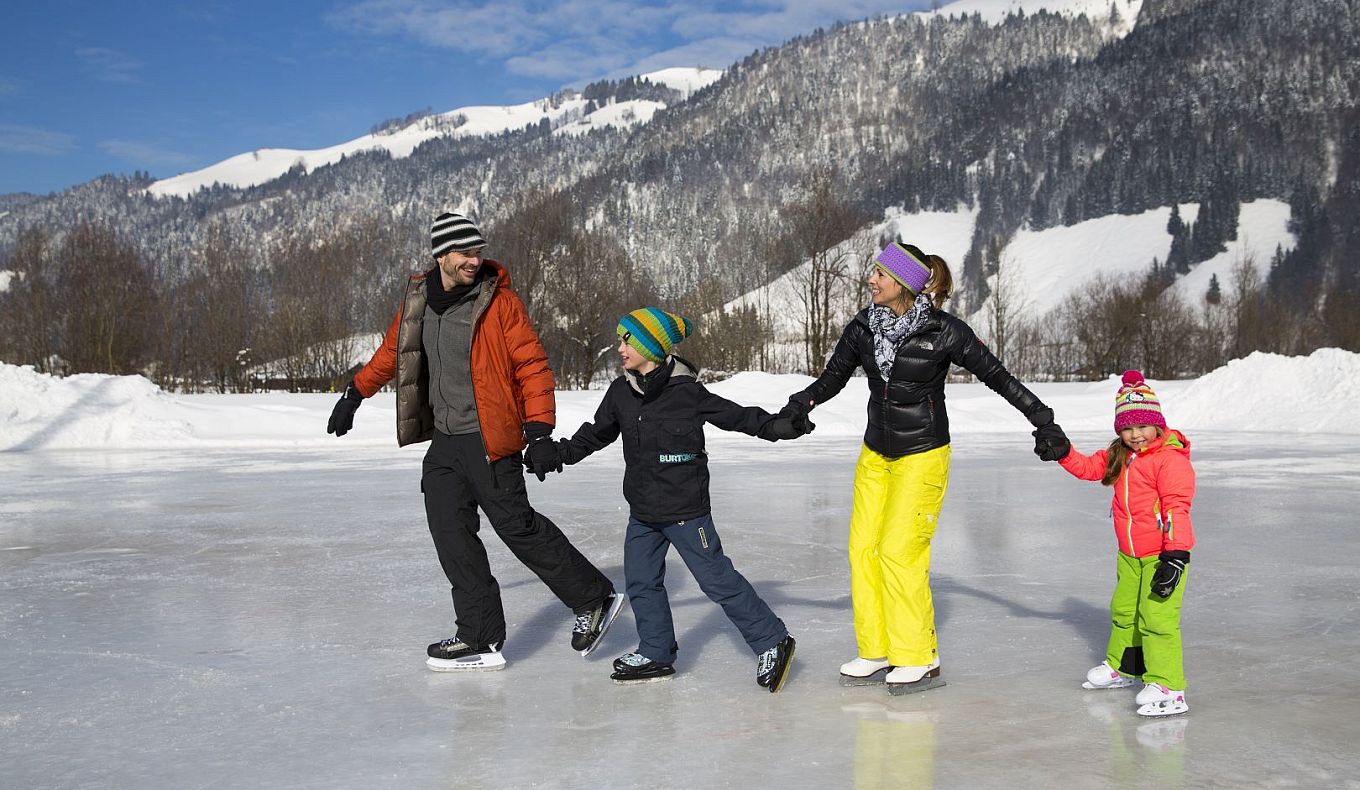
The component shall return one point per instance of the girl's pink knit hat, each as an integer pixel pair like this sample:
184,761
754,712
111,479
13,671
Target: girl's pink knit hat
1136,403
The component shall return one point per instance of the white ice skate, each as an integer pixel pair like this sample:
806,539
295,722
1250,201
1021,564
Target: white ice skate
864,672
1106,677
1158,700
913,680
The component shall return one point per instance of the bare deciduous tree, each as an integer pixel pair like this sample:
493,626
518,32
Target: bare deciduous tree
107,298
28,326
816,227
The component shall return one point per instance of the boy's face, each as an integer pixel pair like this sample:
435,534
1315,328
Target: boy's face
634,361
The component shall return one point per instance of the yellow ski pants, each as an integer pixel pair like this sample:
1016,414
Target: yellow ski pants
896,505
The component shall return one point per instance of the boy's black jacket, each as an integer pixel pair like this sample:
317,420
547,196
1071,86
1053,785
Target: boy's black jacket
665,477
906,413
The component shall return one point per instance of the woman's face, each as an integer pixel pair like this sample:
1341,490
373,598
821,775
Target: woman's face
884,289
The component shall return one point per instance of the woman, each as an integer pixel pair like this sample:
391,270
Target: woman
905,343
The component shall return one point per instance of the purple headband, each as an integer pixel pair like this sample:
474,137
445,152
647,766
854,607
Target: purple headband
907,269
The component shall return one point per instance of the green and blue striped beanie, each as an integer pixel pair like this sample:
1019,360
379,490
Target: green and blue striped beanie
653,332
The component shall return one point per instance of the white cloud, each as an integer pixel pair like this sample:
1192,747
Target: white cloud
111,65
144,153
19,139
580,40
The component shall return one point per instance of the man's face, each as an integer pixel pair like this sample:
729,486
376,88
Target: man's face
459,267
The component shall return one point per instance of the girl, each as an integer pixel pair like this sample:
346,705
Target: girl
905,343
1148,466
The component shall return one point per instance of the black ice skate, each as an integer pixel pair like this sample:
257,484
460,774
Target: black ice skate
636,668
455,655
772,667
913,680
591,627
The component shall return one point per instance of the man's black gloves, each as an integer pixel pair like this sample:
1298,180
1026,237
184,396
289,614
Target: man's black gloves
1050,443
342,416
541,456
1170,568
798,406
787,428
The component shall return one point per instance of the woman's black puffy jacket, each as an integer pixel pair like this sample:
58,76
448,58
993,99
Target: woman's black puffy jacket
907,414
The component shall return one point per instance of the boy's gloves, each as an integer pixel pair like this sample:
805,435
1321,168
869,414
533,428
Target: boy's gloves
1050,443
798,406
541,456
342,416
1170,568
786,428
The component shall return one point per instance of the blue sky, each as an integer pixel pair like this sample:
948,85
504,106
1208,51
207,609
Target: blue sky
88,88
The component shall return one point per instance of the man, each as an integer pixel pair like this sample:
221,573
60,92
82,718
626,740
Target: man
473,378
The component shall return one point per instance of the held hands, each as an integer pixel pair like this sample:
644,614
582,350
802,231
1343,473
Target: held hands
542,455
787,428
1050,443
1170,568
798,406
342,416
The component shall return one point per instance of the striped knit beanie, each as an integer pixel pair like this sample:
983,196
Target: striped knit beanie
454,232
653,332
1136,403
906,264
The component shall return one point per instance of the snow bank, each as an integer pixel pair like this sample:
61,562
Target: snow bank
1270,392
1263,392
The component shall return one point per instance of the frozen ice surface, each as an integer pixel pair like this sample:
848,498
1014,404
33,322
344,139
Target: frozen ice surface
257,618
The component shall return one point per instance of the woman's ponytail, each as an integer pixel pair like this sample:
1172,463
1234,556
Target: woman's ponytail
940,286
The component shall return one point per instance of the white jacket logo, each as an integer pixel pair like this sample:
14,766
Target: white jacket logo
677,458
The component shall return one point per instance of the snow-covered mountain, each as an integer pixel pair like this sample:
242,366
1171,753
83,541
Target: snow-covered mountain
566,114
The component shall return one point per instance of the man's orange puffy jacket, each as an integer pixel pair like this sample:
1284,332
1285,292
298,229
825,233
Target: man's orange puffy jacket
511,379
1152,496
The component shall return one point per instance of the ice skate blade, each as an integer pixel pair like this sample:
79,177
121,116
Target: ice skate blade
484,663
876,679
640,681
924,684
608,621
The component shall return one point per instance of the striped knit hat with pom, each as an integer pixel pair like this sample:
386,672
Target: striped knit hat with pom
653,332
1136,403
906,264
454,232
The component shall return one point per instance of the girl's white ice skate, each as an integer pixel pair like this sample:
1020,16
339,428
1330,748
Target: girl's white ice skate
1158,700
1106,677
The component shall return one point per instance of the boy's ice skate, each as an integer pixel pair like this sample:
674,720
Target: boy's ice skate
865,672
636,668
591,627
913,680
1158,700
772,666
455,655
1106,677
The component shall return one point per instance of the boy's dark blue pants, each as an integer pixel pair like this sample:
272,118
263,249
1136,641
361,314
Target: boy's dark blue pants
644,566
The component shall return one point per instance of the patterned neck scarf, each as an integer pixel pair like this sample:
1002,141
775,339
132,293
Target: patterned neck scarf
891,329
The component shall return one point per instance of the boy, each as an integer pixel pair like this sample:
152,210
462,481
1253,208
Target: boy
660,408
